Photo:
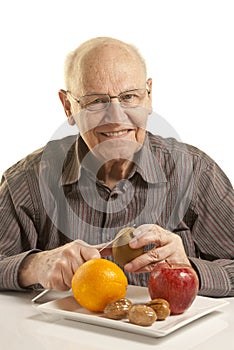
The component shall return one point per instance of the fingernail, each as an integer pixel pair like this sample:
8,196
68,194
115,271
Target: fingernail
143,228
133,242
128,266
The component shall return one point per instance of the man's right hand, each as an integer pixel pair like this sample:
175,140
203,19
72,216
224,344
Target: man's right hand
54,269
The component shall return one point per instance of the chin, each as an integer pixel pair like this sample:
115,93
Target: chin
116,149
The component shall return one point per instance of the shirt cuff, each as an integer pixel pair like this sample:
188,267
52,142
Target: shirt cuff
9,271
214,280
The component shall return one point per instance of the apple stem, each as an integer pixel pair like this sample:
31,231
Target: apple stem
168,263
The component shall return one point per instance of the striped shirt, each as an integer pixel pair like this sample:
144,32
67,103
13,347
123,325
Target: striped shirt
53,196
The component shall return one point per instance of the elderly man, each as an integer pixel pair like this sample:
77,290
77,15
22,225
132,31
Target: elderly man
60,204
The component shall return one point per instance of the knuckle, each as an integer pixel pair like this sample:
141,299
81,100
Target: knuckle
61,265
177,239
161,236
78,242
153,254
150,267
68,252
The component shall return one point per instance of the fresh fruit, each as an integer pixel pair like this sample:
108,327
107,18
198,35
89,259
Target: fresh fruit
98,282
177,283
121,251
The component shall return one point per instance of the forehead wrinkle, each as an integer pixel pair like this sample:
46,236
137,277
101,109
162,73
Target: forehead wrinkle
102,67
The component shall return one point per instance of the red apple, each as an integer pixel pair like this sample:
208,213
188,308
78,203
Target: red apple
177,283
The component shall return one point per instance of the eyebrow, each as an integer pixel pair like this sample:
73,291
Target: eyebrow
105,93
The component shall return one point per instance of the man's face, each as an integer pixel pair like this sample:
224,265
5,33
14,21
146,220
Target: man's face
114,132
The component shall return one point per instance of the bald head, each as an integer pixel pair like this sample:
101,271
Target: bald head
99,58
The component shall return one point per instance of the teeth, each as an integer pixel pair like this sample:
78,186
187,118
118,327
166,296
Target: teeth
116,133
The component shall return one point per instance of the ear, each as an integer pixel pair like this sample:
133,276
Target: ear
66,106
149,86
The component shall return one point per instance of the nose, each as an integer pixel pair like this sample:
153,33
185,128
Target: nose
115,113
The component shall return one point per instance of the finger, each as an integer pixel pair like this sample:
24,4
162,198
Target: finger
147,268
103,252
99,246
147,261
55,280
67,278
142,261
106,252
140,230
80,242
71,257
149,258
155,235
88,253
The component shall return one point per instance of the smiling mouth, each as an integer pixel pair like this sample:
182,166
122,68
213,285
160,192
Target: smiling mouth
116,133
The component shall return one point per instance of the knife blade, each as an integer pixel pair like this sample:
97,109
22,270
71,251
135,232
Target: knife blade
116,239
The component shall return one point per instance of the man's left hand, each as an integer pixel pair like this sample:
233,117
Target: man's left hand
167,246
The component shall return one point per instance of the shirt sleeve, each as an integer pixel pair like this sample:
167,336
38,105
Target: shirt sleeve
18,235
213,233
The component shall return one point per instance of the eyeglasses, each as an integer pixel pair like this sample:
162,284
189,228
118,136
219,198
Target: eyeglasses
98,102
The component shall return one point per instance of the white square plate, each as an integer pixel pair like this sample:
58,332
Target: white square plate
69,308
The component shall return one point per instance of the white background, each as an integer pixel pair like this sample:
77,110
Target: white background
188,46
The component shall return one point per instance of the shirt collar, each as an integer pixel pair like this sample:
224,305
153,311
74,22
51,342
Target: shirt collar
146,163
72,164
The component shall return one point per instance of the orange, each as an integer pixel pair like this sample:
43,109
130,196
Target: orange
98,282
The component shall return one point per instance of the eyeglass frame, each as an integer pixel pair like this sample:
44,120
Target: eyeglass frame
67,92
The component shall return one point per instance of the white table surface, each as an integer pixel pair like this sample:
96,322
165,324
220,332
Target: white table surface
23,327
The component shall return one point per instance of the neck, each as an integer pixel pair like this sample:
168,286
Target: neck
115,170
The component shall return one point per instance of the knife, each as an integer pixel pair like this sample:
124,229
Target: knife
45,291
116,238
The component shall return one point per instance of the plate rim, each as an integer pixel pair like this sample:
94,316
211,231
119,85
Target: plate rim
98,319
